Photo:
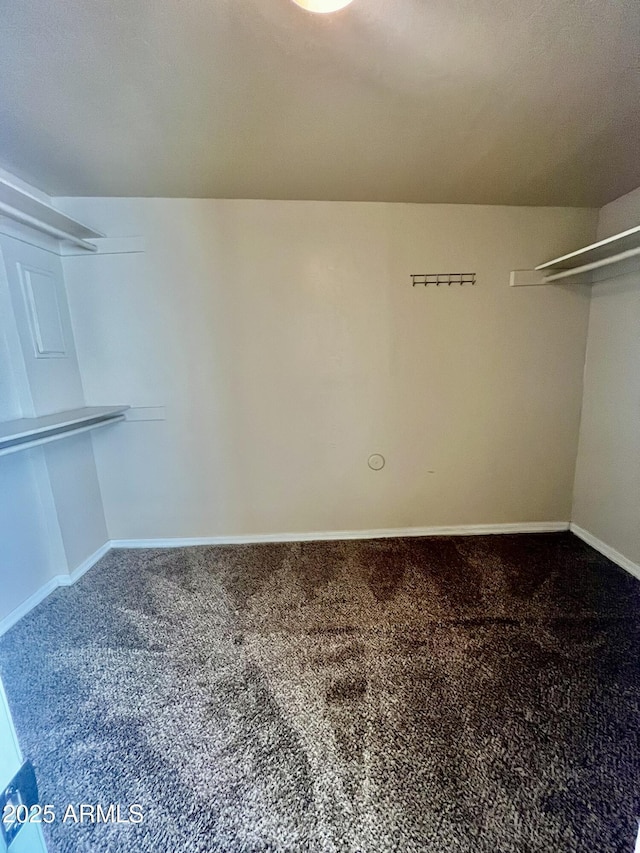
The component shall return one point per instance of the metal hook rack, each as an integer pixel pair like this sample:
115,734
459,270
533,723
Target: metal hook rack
439,278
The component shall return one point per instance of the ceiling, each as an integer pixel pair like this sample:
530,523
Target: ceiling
472,101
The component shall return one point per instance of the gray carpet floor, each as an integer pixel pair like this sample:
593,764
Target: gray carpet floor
446,694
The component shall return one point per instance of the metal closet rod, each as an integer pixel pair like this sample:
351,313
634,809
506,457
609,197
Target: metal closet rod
594,265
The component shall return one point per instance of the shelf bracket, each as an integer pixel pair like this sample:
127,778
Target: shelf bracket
527,278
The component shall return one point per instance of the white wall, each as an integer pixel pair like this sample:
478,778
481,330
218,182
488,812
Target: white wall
51,515
287,344
607,487
31,554
30,546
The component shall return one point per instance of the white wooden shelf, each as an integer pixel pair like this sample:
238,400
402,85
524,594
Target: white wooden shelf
629,239
31,432
597,256
22,207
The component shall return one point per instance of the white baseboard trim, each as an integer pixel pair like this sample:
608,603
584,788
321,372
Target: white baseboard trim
53,583
459,530
609,552
31,602
76,574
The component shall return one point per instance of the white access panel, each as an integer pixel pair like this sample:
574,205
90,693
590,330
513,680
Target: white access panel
40,292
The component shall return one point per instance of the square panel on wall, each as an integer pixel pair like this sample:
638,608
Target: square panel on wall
40,291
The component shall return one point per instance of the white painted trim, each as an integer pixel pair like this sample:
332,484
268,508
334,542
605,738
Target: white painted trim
23,186
107,246
592,248
8,731
24,234
60,434
45,590
609,552
31,602
526,278
460,530
76,574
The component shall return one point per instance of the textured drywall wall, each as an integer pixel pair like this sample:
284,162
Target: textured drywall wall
607,487
286,344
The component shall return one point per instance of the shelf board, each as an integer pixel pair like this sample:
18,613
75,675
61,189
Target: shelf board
25,208
587,265
30,432
595,252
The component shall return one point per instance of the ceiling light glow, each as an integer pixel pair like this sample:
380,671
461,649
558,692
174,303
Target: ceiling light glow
322,5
